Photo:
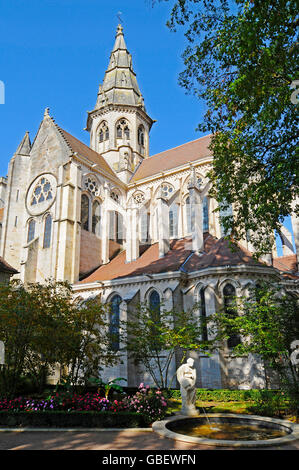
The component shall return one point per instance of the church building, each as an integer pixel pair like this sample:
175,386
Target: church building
131,227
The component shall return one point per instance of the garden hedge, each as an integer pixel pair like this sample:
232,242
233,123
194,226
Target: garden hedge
223,395
62,419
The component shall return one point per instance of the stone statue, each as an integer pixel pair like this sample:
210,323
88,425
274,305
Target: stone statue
186,375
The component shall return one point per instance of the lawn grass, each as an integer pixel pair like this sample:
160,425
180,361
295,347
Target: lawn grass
237,407
242,407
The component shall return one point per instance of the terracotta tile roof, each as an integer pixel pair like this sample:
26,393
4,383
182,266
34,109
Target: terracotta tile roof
286,263
221,254
177,156
85,151
147,263
180,257
1,213
6,268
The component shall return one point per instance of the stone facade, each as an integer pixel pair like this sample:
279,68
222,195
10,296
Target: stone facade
116,222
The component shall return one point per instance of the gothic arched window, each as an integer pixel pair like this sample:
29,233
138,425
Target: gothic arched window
141,136
154,303
205,214
103,132
47,231
122,130
85,212
173,220
144,226
116,227
31,230
189,219
114,322
229,293
96,217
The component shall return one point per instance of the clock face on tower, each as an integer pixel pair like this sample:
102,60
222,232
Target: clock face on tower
41,194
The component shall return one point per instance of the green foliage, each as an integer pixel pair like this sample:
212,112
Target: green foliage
241,59
41,327
154,342
107,386
61,419
225,395
268,322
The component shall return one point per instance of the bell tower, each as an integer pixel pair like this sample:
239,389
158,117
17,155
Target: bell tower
119,125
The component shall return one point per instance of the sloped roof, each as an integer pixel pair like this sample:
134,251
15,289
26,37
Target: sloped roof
6,268
179,257
175,157
222,253
285,263
83,150
147,263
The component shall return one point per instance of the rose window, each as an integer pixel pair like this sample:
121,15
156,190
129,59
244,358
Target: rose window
92,186
42,192
139,198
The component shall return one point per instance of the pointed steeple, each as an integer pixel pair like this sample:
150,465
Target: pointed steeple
25,146
120,85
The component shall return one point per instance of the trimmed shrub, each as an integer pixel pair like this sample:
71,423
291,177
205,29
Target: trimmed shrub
223,395
61,419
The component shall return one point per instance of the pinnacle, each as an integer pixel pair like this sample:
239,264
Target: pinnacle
25,145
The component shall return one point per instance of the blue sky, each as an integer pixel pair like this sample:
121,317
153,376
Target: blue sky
54,54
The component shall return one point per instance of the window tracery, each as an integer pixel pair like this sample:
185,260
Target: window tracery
139,197
91,184
103,132
167,190
42,192
122,129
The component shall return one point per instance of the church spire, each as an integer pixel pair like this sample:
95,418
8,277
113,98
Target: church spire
120,85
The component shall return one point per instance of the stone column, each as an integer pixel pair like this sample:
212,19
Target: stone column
68,247
163,225
196,214
105,227
135,233
128,235
132,235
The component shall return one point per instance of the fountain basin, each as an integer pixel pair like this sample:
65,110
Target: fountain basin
230,430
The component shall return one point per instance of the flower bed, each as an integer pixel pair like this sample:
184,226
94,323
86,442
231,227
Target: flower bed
148,403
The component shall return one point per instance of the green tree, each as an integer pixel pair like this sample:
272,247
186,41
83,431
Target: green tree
153,339
241,60
90,341
43,328
267,322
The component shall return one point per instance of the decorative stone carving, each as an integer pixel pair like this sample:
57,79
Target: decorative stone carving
186,375
139,197
166,190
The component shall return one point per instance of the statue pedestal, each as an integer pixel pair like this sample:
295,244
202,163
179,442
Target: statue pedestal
187,412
